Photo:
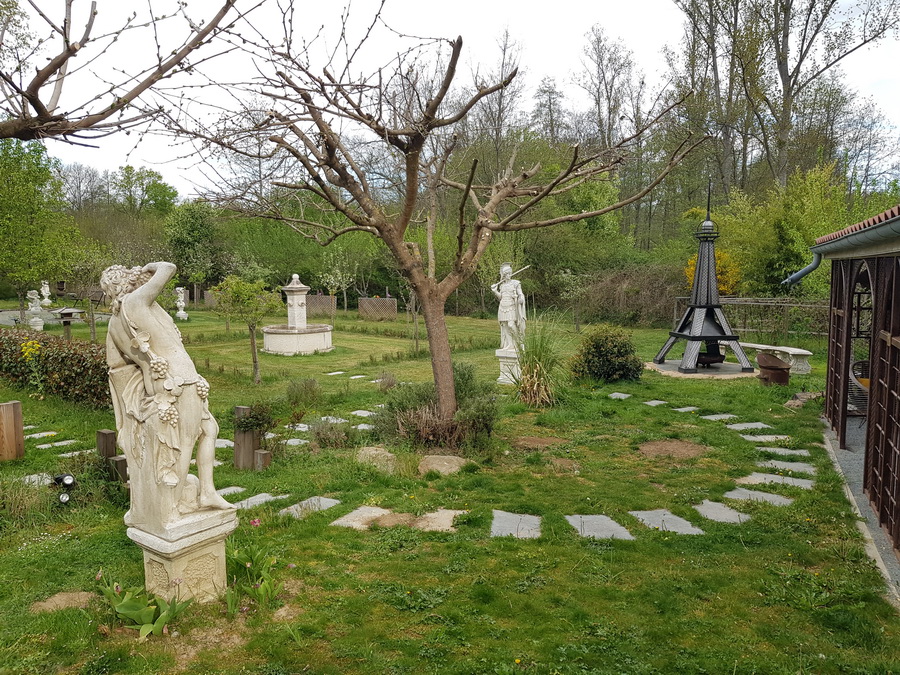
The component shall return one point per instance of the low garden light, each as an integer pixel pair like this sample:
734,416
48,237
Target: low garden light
66,483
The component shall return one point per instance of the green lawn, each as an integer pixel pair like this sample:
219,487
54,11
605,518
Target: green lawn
790,591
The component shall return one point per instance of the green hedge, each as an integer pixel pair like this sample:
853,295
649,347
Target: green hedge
74,370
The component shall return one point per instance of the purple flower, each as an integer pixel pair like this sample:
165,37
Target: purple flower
255,522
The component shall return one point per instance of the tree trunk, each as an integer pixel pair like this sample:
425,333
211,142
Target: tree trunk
345,301
256,377
21,307
439,345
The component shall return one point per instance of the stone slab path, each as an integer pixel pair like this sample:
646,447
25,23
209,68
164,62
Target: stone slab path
742,495
518,525
598,527
233,490
57,444
718,417
686,409
655,403
256,500
308,506
746,426
784,452
765,438
793,467
41,434
361,518
666,521
619,396
721,513
756,478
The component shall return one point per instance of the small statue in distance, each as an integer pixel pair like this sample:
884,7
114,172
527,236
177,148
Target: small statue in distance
511,313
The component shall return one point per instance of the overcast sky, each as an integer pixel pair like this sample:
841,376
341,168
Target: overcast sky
551,37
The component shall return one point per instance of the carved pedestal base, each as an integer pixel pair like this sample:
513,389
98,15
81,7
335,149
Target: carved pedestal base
36,323
181,315
192,566
510,371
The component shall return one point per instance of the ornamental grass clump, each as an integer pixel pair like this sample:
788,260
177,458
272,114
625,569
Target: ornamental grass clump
540,363
607,354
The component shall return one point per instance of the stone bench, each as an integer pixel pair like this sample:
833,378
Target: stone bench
798,358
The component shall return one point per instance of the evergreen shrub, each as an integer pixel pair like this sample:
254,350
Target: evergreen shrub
607,354
75,370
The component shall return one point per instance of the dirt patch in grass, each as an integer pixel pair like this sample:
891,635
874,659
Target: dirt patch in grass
536,442
64,600
672,448
563,465
221,638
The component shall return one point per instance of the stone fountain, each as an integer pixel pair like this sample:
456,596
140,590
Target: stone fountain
298,336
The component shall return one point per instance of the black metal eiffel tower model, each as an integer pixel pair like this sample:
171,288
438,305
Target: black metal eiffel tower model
703,321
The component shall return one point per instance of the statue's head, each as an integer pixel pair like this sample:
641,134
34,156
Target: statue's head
505,271
118,281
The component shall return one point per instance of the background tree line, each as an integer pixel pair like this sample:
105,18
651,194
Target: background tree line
793,153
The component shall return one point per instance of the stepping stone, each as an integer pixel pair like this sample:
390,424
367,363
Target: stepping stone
794,467
761,478
41,434
28,427
765,438
361,518
380,405
233,490
224,443
518,525
742,495
785,452
334,420
375,381
75,453
337,372
297,427
256,500
357,377
666,521
307,506
437,521
380,458
598,527
296,441
363,413
443,464
718,417
655,403
620,396
688,408
745,426
37,479
363,427
270,435
720,512
58,444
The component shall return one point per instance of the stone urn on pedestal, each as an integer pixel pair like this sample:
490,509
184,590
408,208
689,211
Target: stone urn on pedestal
297,336
36,322
180,302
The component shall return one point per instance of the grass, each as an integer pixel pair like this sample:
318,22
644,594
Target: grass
789,591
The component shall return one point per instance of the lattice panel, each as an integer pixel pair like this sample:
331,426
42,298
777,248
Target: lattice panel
320,305
378,309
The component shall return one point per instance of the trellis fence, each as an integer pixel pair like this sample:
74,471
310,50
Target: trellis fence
321,305
378,309
780,316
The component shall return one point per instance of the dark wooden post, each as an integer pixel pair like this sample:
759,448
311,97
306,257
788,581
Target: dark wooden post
106,443
12,434
246,443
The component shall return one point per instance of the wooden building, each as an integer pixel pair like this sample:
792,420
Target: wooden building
863,378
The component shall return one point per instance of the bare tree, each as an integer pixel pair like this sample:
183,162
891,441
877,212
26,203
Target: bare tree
326,118
32,84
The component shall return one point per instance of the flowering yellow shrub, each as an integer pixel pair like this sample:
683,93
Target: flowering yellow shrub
728,273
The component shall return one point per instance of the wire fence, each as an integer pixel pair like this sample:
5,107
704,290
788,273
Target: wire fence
378,309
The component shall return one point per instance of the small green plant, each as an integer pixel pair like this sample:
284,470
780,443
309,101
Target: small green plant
258,418
145,614
607,354
304,394
251,567
330,435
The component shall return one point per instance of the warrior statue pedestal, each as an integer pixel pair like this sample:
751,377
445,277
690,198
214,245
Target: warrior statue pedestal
510,370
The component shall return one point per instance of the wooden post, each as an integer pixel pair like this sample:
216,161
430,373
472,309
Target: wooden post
246,443
118,468
263,459
106,443
12,435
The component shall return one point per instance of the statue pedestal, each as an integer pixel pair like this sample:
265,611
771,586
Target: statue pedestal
510,371
192,563
181,315
36,323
